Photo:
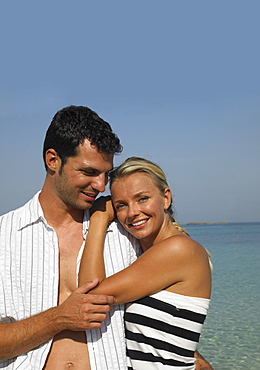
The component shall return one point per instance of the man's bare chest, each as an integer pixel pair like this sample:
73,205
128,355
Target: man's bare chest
69,248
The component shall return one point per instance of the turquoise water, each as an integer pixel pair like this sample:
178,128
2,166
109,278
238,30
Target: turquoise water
230,339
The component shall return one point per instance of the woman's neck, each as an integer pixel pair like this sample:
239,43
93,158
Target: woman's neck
166,231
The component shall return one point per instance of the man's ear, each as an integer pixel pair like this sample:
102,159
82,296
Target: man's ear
52,160
167,198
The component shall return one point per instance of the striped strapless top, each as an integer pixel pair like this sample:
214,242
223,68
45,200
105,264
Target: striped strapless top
163,330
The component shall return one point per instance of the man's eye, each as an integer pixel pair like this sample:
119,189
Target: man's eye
143,199
89,173
119,206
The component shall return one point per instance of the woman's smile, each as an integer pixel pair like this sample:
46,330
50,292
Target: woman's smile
140,223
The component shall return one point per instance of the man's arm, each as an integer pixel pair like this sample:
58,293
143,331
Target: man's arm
78,312
201,363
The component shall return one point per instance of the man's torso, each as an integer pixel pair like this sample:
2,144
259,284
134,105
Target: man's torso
69,349
29,267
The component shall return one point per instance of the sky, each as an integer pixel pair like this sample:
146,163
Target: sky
178,81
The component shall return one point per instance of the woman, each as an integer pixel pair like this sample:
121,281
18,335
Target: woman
168,286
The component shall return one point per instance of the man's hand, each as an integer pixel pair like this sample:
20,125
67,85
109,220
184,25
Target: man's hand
81,311
201,363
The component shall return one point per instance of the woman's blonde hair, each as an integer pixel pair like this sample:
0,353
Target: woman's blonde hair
137,164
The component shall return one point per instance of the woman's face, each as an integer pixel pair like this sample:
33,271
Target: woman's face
140,206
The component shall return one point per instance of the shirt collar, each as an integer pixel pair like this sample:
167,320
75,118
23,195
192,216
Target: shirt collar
32,212
85,223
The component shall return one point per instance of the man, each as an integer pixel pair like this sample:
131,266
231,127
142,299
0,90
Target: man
45,319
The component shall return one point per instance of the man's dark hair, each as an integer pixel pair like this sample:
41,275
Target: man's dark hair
72,125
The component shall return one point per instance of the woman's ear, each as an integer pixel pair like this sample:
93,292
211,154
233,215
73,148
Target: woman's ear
52,160
167,198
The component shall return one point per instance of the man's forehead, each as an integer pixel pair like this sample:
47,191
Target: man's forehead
92,157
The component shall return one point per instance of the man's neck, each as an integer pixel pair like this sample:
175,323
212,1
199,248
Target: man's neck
56,213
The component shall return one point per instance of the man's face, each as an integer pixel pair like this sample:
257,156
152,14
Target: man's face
83,177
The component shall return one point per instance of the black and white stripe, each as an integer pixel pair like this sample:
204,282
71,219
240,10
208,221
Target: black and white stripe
163,330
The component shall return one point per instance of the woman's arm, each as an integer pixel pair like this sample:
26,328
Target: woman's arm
92,262
177,260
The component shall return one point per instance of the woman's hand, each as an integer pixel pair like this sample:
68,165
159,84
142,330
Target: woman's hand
103,209
92,261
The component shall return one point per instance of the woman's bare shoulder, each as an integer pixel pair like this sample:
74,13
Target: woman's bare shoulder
182,247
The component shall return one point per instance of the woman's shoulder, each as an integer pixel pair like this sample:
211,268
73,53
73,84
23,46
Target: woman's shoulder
181,241
182,246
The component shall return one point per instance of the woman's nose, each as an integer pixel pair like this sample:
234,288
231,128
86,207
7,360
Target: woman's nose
133,210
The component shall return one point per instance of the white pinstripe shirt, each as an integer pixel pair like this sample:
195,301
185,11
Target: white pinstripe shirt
29,279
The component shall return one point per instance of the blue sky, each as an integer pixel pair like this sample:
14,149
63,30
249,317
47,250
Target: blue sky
177,80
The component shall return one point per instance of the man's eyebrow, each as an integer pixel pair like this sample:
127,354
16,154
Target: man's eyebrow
85,168
92,169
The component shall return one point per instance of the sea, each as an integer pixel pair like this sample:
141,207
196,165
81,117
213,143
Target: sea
230,338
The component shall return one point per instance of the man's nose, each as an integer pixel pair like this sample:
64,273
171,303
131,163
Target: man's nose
100,182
